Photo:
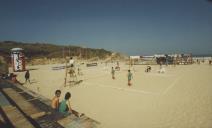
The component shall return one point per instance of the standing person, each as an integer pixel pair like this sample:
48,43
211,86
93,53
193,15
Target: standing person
78,71
113,73
129,76
160,64
55,100
71,62
27,76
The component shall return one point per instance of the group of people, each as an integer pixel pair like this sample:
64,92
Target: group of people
129,76
64,106
12,77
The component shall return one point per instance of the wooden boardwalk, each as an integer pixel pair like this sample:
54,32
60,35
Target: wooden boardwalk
13,114
24,108
24,105
17,119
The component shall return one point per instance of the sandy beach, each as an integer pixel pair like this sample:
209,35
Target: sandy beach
179,98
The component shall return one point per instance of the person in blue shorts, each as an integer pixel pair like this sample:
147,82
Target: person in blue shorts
129,76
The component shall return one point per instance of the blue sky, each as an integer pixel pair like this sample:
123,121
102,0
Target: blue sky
129,26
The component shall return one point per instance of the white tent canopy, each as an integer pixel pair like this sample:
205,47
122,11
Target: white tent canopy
159,55
135,57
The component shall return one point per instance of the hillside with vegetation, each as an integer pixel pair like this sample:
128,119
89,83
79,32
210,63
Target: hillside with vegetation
51,51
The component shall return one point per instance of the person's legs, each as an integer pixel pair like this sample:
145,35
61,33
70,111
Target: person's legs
75,113
129,83
27,79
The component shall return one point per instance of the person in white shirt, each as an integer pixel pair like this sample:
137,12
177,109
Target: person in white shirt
71,62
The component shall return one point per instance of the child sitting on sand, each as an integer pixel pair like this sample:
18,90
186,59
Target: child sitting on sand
55,100
129,75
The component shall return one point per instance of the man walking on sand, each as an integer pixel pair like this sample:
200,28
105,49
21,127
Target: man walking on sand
27,76
129,76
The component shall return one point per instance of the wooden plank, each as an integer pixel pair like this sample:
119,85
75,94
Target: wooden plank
8,107
32,99
66,120
37,115
3,100
16,117
83,119
25,106
2,120
88,124
21,92
84,122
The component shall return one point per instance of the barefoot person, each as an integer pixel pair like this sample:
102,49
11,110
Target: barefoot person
65,106
129,76
113,73
55,100
27,76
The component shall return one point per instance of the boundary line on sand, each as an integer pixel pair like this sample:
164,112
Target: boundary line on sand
127,90
171,86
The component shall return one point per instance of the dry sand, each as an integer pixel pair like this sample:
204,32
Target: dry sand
179,98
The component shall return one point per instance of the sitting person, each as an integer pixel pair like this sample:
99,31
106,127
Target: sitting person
55,100
65,106
13,78
148,69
